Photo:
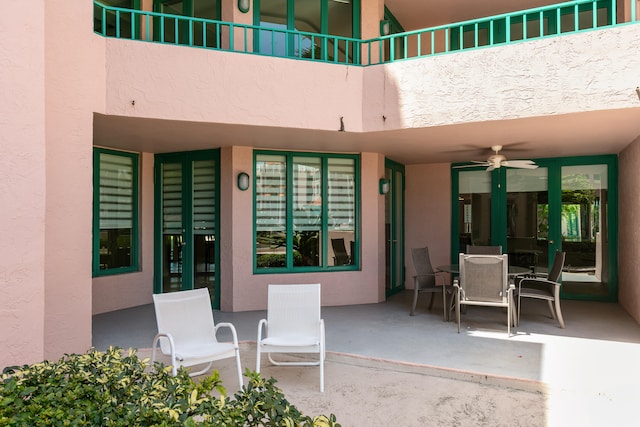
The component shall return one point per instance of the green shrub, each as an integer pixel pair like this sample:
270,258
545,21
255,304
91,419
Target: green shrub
114,388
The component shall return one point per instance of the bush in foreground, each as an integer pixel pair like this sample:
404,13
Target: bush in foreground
114,388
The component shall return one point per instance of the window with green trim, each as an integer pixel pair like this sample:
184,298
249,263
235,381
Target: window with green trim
306,211
328,17
115,212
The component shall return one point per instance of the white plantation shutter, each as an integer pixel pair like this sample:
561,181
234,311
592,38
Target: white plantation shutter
204,197
271,193
116,192
341,197
172,198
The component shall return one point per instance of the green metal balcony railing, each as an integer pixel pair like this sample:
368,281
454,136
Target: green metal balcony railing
548,21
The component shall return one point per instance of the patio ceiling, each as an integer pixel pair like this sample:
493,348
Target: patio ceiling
588,133
414,15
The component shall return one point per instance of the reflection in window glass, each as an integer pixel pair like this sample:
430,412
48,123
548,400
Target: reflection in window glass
474,201
304,218
271,214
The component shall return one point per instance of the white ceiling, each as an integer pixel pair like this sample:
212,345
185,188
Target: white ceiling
417,14
589,133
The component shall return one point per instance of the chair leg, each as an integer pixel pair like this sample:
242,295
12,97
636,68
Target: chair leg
415,300
458,310
559,313
444,304
431,301
551,310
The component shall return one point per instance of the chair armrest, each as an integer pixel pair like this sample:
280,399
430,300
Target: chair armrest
172,348
261,325
436,274
231,327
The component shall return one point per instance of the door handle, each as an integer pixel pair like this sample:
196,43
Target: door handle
551,242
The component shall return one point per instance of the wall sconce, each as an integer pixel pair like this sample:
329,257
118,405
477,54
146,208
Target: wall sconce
243,5
638,92
243,181
384,186
385,27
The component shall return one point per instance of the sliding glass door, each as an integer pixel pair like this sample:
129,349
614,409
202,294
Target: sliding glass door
564,205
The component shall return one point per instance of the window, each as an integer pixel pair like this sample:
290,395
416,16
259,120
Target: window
306,211
115,212
330,17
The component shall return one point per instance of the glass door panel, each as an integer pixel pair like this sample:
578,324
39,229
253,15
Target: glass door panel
187,219
584,226
172,230
527,218
204,224
394,228
474,208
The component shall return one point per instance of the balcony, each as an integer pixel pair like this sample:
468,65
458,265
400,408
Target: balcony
498,30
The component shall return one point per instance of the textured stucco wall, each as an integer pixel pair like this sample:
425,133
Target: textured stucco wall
22,183
201,85
427,214
132,289
629,229
74,77
536,78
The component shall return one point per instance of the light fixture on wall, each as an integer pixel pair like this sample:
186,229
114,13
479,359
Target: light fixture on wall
243,5
384,186
243,181
638,91
385,27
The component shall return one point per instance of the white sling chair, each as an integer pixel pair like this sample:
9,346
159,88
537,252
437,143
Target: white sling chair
187,332
293,325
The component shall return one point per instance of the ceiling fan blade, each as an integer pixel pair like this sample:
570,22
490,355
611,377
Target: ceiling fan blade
490,168
474,165
522,164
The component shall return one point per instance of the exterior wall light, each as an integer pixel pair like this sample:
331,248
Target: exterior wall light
385,27
244,5
384,186
243,181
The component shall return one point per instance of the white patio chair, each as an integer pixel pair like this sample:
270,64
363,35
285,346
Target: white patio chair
293,325
187,332
484,280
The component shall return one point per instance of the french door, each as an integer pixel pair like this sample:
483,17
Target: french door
565,205
394,226
186,222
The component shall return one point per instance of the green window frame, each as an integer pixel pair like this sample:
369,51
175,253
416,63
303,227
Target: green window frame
115,212
306,212
313,17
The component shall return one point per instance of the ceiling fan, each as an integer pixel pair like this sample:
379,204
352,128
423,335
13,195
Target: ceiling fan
498,160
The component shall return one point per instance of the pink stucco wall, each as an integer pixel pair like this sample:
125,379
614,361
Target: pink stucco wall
427,214
129,290
199,85
74,77
242,290
22,183
629,230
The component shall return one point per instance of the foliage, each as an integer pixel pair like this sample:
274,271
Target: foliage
114,388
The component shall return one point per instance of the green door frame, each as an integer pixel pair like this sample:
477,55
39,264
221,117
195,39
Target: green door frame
396,252
185,159
554,166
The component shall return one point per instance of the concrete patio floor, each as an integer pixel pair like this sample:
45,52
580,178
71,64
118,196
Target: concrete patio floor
596,356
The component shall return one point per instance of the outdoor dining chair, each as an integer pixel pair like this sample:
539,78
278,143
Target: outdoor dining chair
427,280
544,287
293,325
187,332
484,250
484,281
